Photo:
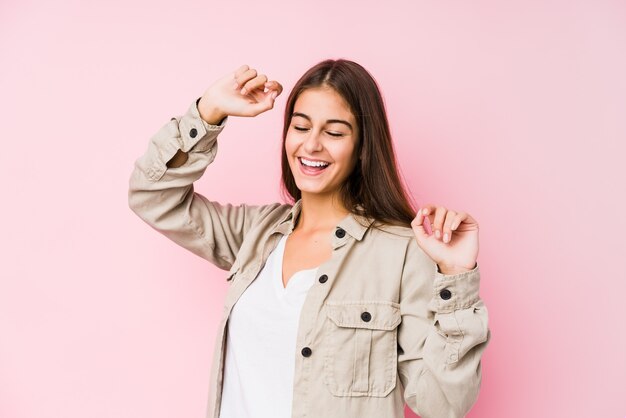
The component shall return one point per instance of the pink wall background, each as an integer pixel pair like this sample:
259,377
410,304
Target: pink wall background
513,111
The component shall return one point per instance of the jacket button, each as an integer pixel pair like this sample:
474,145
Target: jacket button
340,233
193,132
306,351
323,278
445,294
366,316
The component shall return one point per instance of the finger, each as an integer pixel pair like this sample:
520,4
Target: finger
429,212
256,82
417,224
261,106
238,73
274,85
279,87
460,216
440,215
447,231
269,99
246,76
264,101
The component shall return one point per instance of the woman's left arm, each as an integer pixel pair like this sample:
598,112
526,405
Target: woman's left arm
444,329
441,338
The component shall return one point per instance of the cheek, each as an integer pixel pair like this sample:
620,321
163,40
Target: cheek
345,155
291,145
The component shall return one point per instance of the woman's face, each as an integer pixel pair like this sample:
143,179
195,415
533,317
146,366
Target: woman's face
322,133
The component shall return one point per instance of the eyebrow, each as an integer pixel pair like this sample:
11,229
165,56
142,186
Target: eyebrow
307,117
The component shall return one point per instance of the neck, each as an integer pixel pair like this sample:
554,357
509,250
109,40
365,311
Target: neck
320,213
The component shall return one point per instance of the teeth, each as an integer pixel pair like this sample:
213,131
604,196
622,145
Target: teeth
313,163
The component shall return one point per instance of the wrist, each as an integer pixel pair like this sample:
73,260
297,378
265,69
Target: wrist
450,270
210,114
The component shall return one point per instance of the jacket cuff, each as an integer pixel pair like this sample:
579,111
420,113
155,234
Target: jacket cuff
455,291
195,132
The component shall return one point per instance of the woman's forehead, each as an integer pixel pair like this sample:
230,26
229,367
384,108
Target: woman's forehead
322,104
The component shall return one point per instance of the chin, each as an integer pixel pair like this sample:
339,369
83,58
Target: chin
311,190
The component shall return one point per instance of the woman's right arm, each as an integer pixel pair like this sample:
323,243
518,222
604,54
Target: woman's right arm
161,190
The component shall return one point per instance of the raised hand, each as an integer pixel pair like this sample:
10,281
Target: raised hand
453,244
243,92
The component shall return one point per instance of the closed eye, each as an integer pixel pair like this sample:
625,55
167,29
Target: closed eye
301,129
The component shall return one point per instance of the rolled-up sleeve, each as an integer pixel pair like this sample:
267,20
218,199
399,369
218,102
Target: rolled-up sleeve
441,339
165,199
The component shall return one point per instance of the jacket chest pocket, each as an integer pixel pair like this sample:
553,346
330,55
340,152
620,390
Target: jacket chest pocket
360,344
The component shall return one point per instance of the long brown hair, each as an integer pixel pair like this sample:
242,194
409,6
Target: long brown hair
373,189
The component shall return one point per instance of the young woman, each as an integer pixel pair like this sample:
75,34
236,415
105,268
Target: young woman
341,304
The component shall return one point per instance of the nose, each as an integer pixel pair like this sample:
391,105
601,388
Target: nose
312,142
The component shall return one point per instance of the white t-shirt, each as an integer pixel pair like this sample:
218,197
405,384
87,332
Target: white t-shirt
261,343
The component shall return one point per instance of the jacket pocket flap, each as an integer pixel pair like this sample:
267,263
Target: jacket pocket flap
383,315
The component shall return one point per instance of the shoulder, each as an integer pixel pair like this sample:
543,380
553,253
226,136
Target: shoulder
388,241
271,213
388,231
396,238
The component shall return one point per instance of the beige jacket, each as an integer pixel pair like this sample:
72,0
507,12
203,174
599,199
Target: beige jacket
380,326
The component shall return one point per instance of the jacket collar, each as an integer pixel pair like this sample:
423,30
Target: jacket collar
353,224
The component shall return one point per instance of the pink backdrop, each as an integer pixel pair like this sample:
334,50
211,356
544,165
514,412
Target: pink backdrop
513,111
